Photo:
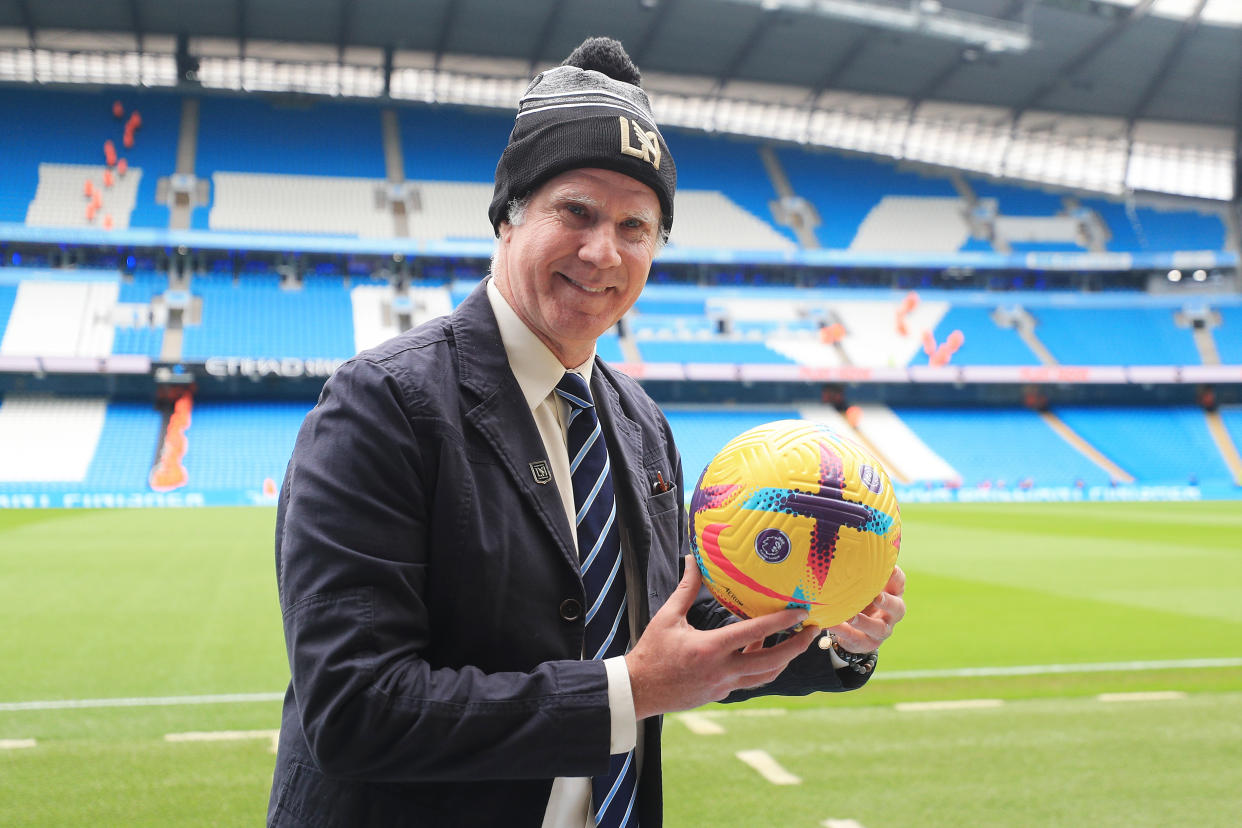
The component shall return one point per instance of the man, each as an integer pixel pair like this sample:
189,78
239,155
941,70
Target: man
438,561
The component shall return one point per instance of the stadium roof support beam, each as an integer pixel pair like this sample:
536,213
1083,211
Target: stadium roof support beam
446,29
1084,56
344,19
23,11
135,22
767,16
950,69
840,67
658,13
540,45
241,28
1171,56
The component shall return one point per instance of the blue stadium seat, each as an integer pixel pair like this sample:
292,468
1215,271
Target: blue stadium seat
1166,445
844,189
64,127
1229,335
728,165
127,449
1002,444
984,343
714,350
235,445
1115,336
701,434
254,317
8,295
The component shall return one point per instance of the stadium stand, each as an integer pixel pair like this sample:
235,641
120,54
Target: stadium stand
256,317
298,204
700,434
713,351
986,343
59,201
58,317
238,445
844,189
722,165
908,457
137,329
1133,336
63,135
8,296
1001,447
1168,445
321,138
1228,336
49,440
451,144
335,171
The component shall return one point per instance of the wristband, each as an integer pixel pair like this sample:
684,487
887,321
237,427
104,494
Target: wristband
861,663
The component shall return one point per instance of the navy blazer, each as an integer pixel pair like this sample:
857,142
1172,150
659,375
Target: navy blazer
431,598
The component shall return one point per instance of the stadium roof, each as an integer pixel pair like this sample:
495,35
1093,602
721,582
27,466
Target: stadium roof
1171,60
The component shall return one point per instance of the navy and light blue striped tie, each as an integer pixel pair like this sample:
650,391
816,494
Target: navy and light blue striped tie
599,556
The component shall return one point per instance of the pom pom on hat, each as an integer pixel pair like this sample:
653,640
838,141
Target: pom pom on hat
608,56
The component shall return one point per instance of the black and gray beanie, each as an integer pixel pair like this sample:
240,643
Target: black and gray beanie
588,112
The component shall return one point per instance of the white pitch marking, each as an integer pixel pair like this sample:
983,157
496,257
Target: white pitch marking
1055,669
768,767
1155,695
16,744
148,701
220,735
958,704
841,823
880,675
700,725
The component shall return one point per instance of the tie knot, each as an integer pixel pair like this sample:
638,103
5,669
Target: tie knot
573,389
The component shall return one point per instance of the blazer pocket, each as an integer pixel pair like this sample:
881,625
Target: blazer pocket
662,502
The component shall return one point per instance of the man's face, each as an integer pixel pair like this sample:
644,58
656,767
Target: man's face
580,258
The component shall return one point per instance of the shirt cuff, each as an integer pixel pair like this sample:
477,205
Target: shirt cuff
621,706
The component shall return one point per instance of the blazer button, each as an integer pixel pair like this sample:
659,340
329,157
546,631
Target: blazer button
571,609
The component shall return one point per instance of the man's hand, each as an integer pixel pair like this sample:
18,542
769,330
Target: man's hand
677,667
866,631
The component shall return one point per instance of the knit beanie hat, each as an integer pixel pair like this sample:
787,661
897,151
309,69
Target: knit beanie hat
588,112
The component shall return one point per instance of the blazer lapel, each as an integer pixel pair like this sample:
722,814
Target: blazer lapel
502,417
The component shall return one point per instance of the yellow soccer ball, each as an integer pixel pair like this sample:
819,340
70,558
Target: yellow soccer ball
792,514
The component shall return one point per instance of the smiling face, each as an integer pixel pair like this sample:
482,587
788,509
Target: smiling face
579,258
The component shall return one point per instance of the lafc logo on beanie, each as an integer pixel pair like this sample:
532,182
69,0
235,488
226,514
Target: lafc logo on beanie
648,142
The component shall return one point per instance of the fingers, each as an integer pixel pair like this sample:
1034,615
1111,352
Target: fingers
896,582
758,665
743,633
687,590
873,626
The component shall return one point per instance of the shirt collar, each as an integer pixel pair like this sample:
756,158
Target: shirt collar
535,367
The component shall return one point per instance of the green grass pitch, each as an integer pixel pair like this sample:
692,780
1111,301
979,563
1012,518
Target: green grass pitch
154,604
